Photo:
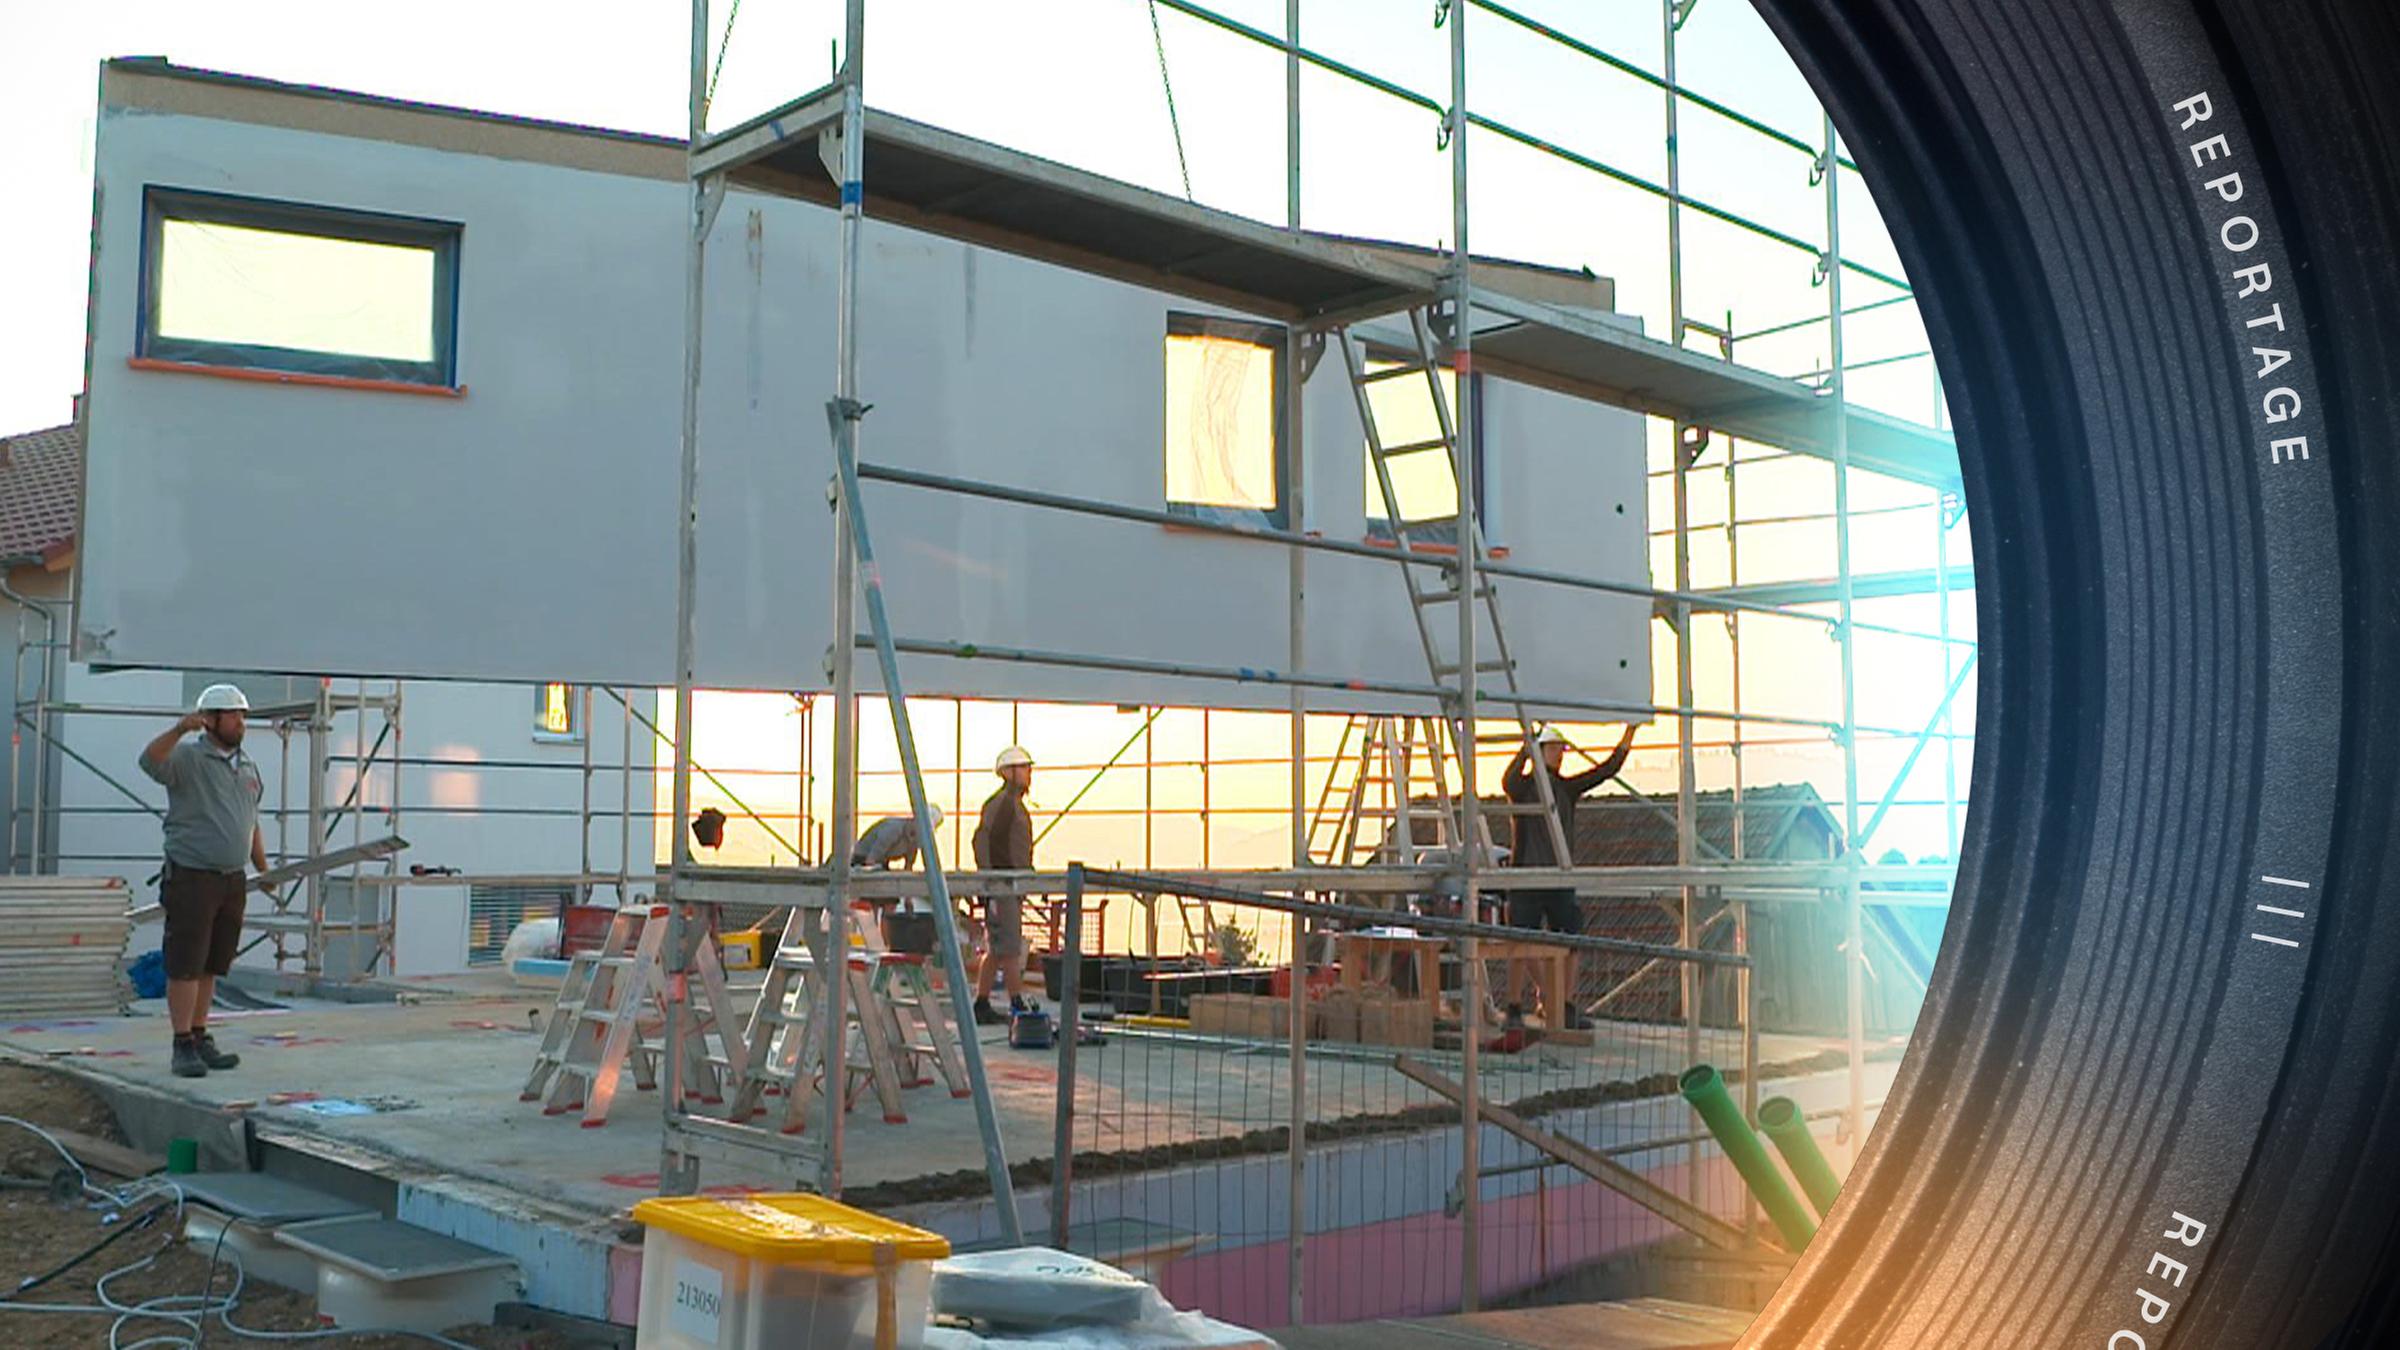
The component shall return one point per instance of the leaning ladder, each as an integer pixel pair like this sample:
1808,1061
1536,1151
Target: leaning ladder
1374,779
1423,363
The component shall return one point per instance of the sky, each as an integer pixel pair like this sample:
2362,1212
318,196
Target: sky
1081,81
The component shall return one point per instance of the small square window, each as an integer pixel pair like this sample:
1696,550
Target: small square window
234,281
557,712
1225,414
1424,481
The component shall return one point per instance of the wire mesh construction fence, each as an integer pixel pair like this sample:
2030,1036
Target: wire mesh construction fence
1179,1111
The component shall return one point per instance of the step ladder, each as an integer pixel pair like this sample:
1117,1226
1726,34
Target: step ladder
1378,768
1370,378
903,989
608,998
784,1051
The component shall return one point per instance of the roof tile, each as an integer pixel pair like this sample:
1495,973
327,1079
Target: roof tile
41,486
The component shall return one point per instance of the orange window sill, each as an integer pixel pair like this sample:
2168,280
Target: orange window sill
296,377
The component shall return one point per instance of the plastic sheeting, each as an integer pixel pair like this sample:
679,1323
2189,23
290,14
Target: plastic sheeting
1040,1298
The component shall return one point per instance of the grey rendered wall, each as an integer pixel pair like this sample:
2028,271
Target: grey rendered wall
525,531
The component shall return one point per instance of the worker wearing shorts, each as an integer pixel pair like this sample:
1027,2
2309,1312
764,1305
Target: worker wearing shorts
213,790
1004,842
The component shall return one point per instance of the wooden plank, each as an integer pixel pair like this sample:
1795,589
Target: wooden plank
100,1154
1616,1176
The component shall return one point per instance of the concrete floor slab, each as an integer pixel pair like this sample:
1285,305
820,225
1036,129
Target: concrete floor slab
433,1083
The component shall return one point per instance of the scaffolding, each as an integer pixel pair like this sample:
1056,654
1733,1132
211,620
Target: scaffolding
309,930
822,147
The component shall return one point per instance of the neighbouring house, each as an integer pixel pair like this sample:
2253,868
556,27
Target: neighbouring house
41,492
1799,943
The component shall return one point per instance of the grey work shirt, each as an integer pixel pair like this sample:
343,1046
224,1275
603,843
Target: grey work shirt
890,842
212,803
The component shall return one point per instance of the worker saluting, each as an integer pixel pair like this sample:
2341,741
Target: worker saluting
213,790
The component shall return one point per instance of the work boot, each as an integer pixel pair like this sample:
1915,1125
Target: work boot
988,1016
210,1055
188,1063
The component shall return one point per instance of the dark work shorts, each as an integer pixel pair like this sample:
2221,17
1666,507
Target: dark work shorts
1554,910
204,920
1004,924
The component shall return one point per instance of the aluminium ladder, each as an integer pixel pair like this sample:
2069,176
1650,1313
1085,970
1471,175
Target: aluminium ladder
595,1028
1424,363
1374,777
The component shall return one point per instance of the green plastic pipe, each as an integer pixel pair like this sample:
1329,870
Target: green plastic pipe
1704,1088
1780,1118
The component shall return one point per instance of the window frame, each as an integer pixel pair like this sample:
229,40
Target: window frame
573,735
1276,339
161,204
1384,531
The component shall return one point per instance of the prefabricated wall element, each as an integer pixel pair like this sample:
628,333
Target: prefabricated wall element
499,503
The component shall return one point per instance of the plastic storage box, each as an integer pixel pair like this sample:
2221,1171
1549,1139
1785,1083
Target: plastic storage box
781,1272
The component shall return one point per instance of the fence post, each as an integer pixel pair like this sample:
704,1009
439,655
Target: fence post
1070,994
1296,1225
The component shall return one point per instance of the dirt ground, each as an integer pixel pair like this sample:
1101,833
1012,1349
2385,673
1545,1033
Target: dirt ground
37,1234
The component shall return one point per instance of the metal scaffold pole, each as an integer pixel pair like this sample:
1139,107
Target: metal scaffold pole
1855,954
1941,595
320,728
583,815
1463,445
1295,374
625,805
1684,453
829,1023
856,565
679,1174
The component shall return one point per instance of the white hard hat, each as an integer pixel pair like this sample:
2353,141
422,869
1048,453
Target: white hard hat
1551,736
222,698
1014,754
935,812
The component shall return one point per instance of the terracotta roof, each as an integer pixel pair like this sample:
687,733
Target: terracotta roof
1781,822
41,483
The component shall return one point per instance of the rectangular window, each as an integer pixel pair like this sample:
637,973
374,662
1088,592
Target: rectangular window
1225,414
259,285
1424,481
557,712
493,912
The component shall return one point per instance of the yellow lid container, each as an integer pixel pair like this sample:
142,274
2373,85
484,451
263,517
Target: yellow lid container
790,1229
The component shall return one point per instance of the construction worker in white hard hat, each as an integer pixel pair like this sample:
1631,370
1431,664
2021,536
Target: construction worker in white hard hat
1004,842
892,843
1554,909
213,790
